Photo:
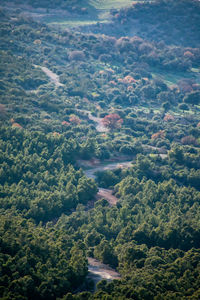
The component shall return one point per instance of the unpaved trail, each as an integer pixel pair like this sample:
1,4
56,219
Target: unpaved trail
159,150
107,194
54,77
121,164
163,156
99,271
99,124
99,127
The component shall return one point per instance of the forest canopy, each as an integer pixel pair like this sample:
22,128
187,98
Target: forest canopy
100,150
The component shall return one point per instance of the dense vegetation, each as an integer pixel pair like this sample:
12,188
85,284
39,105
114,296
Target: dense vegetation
144,92
179,25
37,262
74,6
36,176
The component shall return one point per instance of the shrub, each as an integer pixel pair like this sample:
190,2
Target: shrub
77,55
189,140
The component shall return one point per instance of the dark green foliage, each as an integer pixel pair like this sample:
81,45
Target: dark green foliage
162,20
71,6
48,128
183,107
192,98
36,262
36,177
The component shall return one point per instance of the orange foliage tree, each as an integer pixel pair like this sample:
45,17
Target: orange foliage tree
17,125
160,134
75,120
65,123
112,121
168,118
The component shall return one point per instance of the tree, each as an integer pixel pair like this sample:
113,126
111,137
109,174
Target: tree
77,55
74,120
183,106
148,91
78,262
192,98
168,118
189,140
88,149
158,135
86,189
93,238
104,252
112,121
166,106
176,154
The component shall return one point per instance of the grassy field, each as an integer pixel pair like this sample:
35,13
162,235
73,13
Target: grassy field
109,4
74,23
171,78
98,12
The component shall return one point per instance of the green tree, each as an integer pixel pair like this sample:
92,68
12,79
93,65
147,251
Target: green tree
192,98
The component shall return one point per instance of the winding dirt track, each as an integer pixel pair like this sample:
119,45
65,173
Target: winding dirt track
99,271
99,127
111,166
107,194
54,77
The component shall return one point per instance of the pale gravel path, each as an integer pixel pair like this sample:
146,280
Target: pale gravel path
107,194
99,271
99,127
111,166
54,77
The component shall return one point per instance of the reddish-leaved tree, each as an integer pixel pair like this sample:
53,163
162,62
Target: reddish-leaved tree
112,121
158,135
17,125
65,123
168,118
189,140
74,120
